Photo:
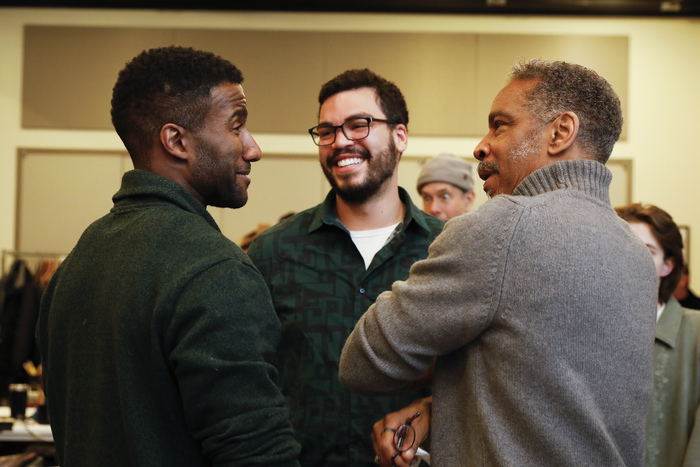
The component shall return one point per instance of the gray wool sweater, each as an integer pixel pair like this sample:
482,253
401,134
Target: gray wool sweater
540,307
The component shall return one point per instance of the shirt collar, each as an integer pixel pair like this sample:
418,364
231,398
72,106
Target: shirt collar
669,323
327,214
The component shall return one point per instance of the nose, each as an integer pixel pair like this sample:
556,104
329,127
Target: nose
431,207
482,150
251,150
341,140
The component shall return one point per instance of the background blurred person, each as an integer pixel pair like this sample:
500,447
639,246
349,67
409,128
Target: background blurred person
673,434
446,185
683,294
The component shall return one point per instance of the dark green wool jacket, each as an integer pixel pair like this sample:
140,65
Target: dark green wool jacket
320,288
157,335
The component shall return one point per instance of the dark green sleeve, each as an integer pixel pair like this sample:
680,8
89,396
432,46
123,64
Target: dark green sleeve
224,333
261,254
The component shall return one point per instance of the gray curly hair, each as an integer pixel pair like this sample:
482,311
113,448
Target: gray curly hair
565,87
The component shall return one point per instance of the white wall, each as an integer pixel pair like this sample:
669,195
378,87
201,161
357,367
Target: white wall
663,100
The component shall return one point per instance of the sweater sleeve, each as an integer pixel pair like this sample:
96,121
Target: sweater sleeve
224,333
448,300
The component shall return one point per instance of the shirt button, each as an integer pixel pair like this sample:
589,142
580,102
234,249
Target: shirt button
362,290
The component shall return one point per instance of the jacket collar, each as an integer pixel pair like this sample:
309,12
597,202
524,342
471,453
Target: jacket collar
670,323
137,184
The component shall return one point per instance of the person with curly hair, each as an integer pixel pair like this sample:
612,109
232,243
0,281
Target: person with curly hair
157,332
538,307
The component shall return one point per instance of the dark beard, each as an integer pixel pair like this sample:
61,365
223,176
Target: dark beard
213,179
382,167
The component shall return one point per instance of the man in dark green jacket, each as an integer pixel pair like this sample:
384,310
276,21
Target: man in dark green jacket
157,333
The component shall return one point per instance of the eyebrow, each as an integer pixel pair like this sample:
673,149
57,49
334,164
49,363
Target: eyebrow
239,112
357,115
500,113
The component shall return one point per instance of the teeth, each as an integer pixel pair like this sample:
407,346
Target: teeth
347,162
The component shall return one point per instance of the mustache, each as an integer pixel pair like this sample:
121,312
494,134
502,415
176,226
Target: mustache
492,166
342,152
245,170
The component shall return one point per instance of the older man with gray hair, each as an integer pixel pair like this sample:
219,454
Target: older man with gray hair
539,307
446,185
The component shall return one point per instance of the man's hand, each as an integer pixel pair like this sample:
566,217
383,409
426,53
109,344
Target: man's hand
383,435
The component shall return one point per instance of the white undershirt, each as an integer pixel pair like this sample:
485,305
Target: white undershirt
369,242
660,310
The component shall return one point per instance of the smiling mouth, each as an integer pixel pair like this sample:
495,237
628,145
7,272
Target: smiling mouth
349,161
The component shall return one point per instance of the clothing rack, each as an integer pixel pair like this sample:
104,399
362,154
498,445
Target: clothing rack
12,255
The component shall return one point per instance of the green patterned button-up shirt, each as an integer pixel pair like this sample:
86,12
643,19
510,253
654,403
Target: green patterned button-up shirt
320,288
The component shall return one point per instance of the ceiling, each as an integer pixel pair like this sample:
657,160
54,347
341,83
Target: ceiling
656,8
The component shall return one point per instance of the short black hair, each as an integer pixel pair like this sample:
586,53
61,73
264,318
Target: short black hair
165,85
389,95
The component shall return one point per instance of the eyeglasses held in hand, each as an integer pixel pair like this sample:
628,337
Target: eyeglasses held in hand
353,129
404,437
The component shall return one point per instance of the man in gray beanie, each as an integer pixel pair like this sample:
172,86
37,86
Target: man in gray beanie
446,185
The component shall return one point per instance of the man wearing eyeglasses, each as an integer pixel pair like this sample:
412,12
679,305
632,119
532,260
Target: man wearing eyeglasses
539,307
326,265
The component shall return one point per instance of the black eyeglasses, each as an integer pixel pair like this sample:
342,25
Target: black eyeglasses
353,129
404,437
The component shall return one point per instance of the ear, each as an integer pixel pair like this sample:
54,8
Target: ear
469,197
177,141
401,137
667,266
563,133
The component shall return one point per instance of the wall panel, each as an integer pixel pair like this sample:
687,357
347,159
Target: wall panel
449,80
60,193
283,72
69,72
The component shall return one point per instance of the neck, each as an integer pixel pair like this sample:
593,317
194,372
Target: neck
381,210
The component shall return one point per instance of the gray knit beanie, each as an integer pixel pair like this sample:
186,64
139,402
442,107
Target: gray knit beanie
447,168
